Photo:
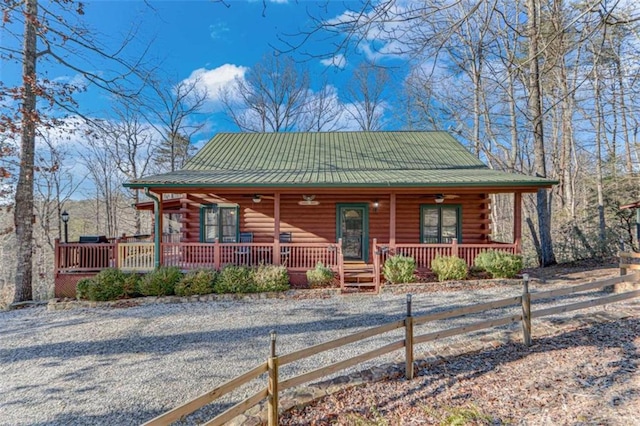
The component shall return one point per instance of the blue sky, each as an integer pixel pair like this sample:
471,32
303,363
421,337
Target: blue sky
212,40
209,39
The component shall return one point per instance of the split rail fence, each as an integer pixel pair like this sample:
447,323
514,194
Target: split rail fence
410,324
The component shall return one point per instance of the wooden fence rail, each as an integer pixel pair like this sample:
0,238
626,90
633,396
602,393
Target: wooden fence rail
629,261
410,323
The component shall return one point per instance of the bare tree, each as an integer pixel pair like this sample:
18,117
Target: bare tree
171,113
66,42
323,112
547,256
272,96
130,143
107,180
55,184
366,93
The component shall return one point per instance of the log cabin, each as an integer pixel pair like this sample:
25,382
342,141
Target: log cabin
347,199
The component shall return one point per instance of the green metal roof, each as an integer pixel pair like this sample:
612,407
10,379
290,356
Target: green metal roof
337,159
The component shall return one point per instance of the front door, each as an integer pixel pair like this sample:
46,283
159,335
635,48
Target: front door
353,228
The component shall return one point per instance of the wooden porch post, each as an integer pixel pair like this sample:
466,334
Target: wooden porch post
157,226
160,228
276,229
517,221
392,222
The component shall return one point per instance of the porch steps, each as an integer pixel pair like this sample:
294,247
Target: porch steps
359,277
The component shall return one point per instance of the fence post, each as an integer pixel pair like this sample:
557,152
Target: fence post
376,265
623,271
526,311
272,388
454,247
408,341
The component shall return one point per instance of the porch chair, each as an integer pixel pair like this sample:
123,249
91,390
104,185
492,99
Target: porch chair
244,252
285,237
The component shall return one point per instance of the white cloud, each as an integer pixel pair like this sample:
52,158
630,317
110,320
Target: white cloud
377,38
218,29
78,81
214,80
338,61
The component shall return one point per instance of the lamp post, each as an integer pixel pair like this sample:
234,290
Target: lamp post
65,220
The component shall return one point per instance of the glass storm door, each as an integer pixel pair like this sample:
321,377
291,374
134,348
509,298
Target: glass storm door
353,229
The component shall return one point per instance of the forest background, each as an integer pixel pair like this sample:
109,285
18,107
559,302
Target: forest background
540,87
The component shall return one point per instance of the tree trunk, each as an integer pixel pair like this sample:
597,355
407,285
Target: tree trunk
535,108
602,223
23,213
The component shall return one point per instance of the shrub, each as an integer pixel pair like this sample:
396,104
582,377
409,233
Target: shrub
82,288
485,259
160,282
107,285
449,268
320,276
201,281
498,263
271,278
131,285
235,279
399,269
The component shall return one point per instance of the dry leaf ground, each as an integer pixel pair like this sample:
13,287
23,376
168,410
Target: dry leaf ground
586,374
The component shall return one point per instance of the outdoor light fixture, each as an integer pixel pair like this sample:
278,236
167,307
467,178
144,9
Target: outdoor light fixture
257,198
65,219
439,198
376,204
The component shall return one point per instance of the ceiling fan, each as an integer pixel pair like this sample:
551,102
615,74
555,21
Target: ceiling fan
439,198
308,200
256,198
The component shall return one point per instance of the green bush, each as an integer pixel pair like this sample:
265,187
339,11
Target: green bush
160,282
399,269
107,285
235,279
320,276
131,285
498,263
82,288
201,281
485,259
449,268
271,278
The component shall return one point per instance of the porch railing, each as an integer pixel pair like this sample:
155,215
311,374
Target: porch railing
79,257
299,257
425,253
136,256
128,255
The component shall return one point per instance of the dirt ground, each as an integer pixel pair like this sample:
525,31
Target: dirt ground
585,375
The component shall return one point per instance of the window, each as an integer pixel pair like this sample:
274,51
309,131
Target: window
439,224
219,221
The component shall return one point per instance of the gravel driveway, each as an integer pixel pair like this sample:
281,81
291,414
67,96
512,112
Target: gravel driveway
125,366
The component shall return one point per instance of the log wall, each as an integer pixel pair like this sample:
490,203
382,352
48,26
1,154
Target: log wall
317,224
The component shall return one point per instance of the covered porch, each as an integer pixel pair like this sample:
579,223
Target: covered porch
352,234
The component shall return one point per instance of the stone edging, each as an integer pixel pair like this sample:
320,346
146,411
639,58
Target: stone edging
68,303
298,398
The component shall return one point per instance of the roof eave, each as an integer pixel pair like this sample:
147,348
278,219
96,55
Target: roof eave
183,186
